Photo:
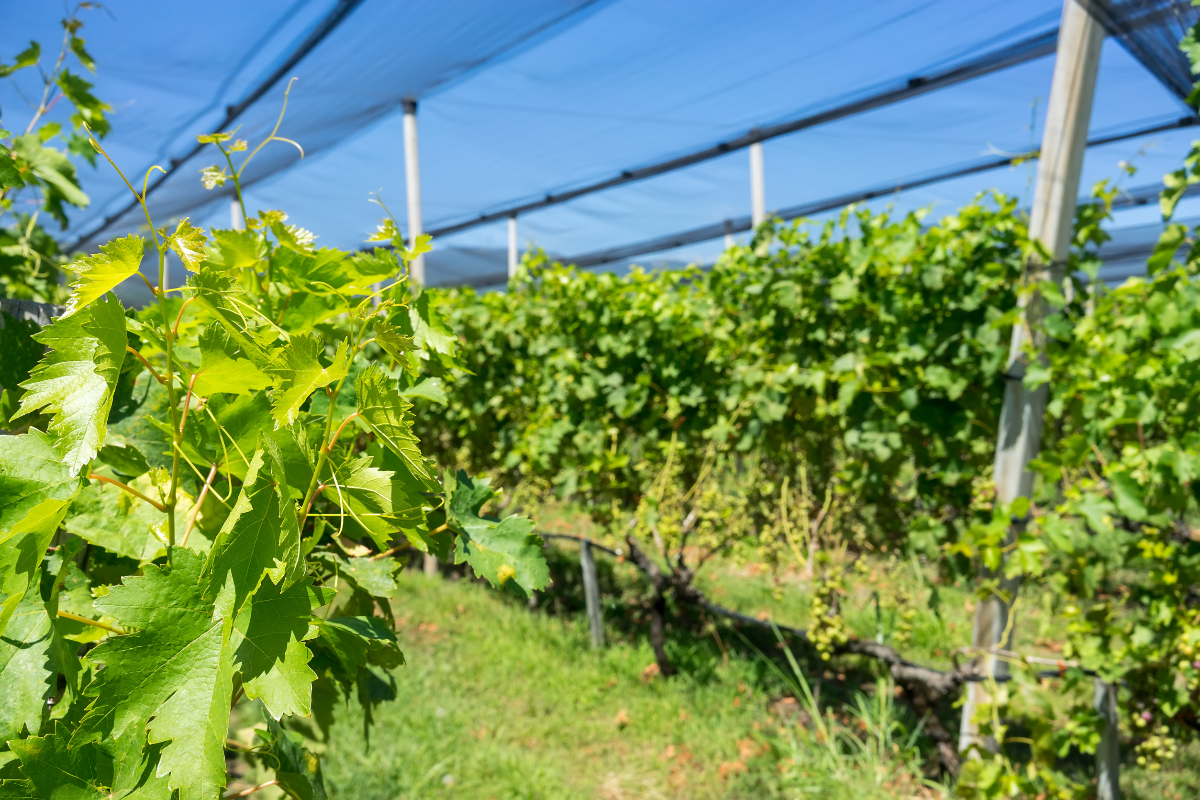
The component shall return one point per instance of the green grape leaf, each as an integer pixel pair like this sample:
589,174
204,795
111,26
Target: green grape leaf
375,576
32,472
88,109
241,417
297,372
21,554
21,354
499,550
80,51
135,767
359,641
36,488
222,297
429,389
26,58
213,176
1128,495
271,654
124,458
137,406
76,379
188,243
328,271
25,681
81,146
382,408
224,367
238,249
1168,244
111,518
53,169
430,328
96,275
298,771
380,501
261,536
397,345
10,176
59,770
173,677
293,237
306,311
387,231
364,270
15,787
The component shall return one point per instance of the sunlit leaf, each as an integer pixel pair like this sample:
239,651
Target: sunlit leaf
298,372
382,408
188,243
75,380
96,275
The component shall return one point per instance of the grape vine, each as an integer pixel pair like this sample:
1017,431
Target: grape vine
205,504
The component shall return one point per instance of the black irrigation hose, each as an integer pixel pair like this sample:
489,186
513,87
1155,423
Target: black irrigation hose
802,634
593,543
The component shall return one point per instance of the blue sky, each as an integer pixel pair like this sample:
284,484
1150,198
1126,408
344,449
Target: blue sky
530,96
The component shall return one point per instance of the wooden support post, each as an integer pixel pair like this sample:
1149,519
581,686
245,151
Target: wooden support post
758,189
591,593
1108,752
412,182
236,221
431,565
513,254
1060,161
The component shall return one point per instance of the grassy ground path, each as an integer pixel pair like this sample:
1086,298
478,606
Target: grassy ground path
496,702
499,703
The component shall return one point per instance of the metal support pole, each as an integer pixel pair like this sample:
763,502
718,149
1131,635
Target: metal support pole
591,593
758,189
513,255
728,234
1108,752
1060,162
236,221
412,181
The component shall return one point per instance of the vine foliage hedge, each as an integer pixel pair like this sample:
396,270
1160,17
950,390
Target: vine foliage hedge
203,504
838,390
834,384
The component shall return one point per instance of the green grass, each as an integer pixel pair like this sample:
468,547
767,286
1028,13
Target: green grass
496,702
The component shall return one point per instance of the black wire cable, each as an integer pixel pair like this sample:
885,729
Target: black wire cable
1028,49
318,34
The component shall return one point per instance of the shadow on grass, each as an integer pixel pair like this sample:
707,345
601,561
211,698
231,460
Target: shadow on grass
699,642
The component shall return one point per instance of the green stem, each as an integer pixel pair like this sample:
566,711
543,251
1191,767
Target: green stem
322,455
237,187
237,184
326,442
177,434
125,487
142,359
92,622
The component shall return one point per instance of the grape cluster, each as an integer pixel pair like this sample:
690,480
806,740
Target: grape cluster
906,612
1158,747
827,630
